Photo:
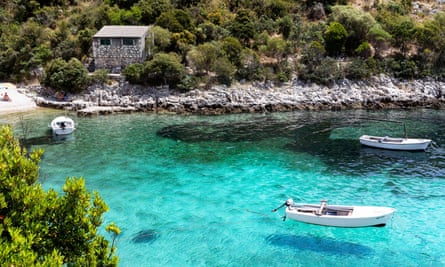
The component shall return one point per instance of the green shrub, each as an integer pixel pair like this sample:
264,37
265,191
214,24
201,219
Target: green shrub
402,67
188,83
335,38
327,72
364,50
47,228
134,73
356,22
164,69
250,67
67,76
313,54
360,69
224,71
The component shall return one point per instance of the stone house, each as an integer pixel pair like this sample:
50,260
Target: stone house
115,47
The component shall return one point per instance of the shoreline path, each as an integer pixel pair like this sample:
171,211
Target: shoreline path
19,102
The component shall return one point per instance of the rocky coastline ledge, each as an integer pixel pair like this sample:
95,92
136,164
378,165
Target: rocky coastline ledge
379,92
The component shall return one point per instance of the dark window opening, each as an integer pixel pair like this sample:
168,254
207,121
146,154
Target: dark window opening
128,41
105,42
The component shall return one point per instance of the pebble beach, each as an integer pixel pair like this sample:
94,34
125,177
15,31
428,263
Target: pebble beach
19,101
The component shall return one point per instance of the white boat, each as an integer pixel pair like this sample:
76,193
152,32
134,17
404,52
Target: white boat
337,215
386,142
62,125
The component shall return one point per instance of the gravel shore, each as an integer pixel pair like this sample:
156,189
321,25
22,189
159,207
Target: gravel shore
19,101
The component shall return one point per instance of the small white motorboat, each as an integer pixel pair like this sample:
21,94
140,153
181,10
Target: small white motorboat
62,125
337,215
386,142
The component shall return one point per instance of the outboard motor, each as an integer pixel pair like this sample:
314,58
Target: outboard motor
289,202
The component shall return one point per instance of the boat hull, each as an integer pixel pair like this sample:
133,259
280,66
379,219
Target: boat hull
63,131
361,216
62,126
395,143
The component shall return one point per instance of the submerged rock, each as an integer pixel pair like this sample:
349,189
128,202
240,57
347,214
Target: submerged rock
145,236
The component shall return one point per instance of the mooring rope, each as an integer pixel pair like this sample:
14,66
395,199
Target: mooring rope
434,145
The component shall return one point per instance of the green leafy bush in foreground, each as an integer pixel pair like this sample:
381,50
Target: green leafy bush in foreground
39,228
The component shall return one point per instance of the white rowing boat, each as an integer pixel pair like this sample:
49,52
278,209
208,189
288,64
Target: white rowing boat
62,125
386,142
338,215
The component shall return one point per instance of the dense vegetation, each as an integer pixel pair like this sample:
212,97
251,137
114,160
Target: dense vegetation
39,228
202,42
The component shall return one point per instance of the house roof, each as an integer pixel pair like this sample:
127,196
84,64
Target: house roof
122,31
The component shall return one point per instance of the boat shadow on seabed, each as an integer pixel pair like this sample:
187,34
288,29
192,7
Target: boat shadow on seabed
348,156
49,139
318,244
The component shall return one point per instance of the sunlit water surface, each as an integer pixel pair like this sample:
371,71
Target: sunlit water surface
199,190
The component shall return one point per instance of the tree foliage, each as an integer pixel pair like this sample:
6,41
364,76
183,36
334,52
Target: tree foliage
327,72
134,73
335,37
41,228
164,69
175,20
379,38
34,33
23,53
360,69
276,47
431,36
286,26
364,50
250,66
402,30
313,54
402,67
243,27
152,9
68,76
232,49
224,70
356,22
162,38
276,9
203,57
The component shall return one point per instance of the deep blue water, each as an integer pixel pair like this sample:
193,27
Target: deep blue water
199,190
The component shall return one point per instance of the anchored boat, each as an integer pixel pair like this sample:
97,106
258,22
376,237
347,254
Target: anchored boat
337,215
395,143
62,125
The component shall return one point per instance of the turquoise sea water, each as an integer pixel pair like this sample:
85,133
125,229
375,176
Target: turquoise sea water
199,190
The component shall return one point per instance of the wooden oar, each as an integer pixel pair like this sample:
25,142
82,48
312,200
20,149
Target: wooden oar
282,205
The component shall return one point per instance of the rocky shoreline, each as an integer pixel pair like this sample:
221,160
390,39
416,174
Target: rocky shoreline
380,92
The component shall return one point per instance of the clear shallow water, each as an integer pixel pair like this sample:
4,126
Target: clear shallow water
198,191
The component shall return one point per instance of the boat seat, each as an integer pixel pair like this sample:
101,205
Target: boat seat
339,211
398,140
307,209
340,208
322,209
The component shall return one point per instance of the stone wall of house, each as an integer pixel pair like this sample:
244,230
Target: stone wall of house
116,57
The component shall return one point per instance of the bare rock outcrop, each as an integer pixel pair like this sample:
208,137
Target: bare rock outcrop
379,92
